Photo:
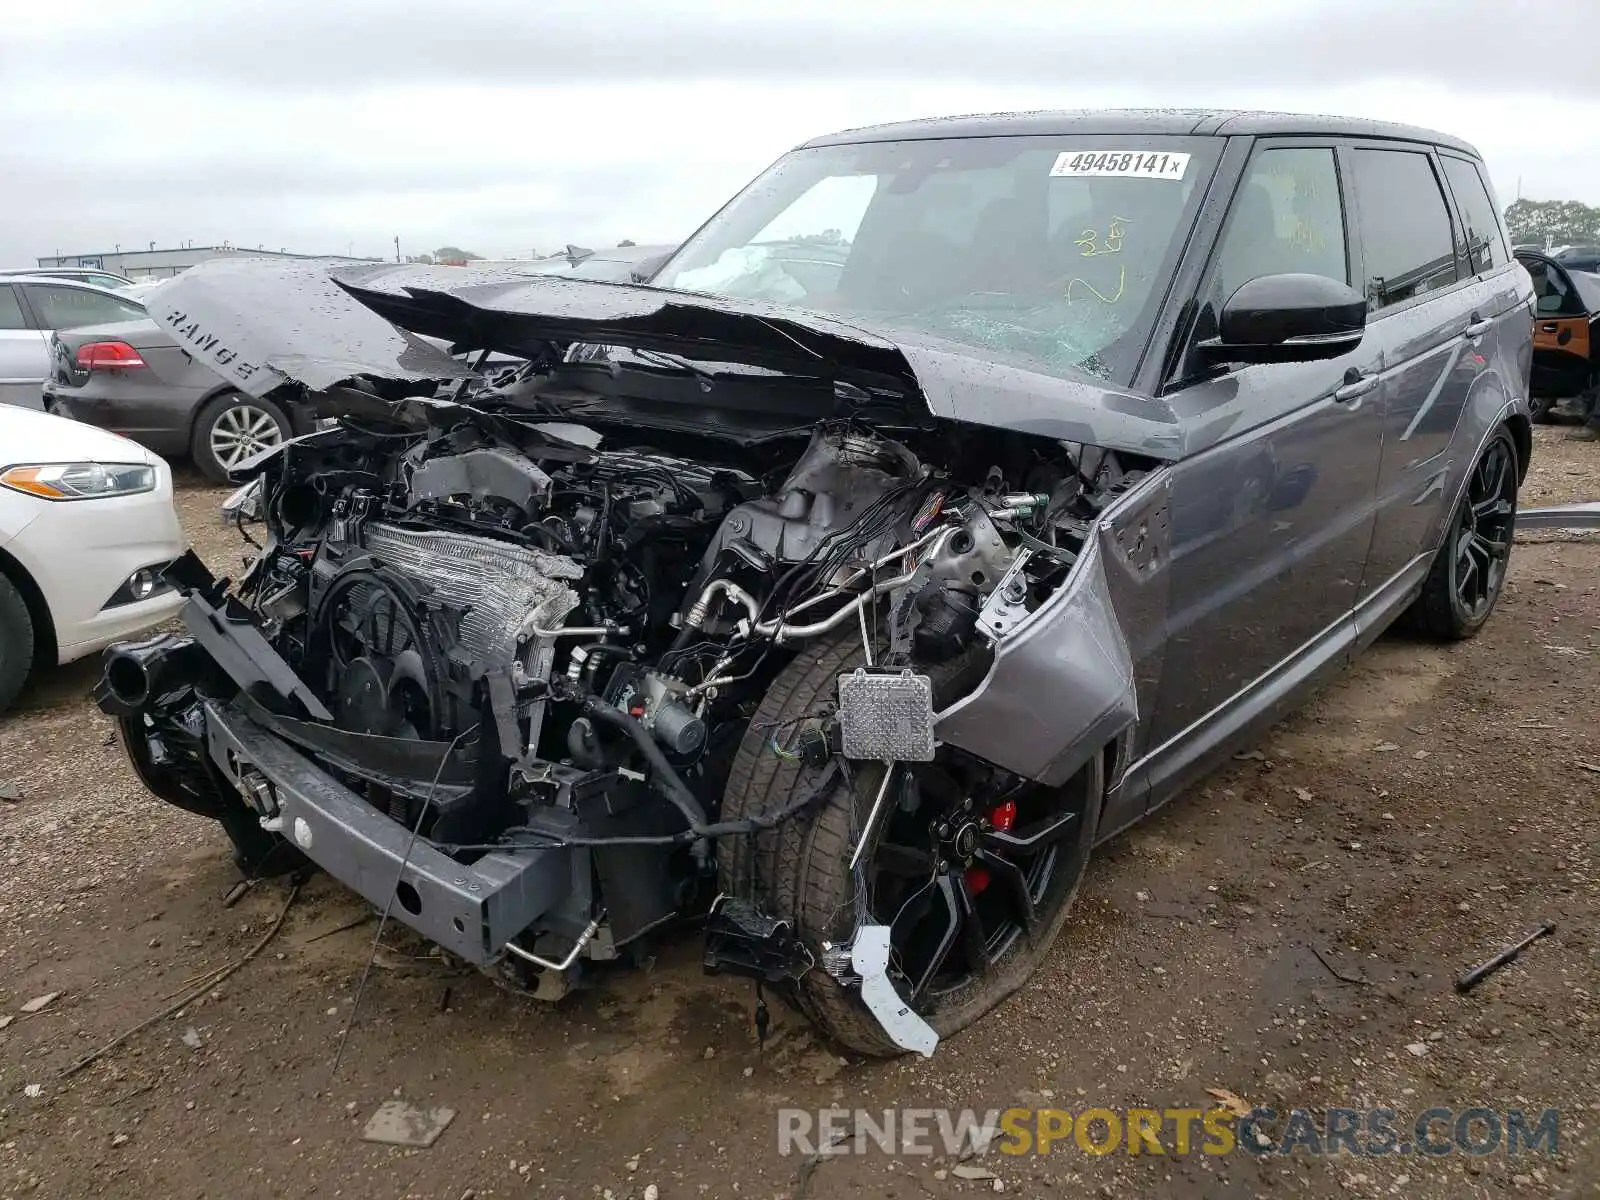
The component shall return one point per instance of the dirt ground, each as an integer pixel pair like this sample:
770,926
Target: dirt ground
1416,816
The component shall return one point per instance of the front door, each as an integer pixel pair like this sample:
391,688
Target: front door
1272,518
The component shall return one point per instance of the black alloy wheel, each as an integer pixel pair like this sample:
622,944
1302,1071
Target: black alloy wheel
1482,534
959,879
1469,570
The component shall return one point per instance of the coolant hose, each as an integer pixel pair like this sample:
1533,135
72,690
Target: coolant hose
671,782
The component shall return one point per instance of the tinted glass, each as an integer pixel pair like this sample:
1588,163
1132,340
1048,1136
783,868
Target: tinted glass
1052,251
1405,226
1286,219
10,310
1486,248
70,308
1554,295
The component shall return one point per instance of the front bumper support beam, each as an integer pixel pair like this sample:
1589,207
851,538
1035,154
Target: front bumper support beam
471,911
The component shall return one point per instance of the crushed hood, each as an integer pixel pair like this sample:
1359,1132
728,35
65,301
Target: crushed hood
263,323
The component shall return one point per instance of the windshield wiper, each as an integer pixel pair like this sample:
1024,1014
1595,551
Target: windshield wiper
662,359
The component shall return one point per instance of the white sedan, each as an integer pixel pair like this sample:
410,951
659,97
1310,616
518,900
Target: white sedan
86,525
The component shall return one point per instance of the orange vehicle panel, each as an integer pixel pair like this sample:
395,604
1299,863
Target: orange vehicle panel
1569,335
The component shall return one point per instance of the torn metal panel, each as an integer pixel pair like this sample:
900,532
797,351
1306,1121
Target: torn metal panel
1061,687
1561,516
263,323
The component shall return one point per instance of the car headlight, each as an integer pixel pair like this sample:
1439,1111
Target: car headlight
80,481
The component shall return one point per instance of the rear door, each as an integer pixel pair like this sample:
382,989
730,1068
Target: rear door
1434,317
24,356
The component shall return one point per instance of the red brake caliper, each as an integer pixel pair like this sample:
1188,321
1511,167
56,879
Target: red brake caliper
1001,817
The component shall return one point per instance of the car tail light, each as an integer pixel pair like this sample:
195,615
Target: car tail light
107,356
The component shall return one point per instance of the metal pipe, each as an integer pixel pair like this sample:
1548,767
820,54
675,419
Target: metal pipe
1561,516
539,631
940,535
572,955
872,817
702,606
782,631
714,678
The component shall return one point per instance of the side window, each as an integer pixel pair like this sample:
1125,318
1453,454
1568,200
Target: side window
1286,219
10,308
71,308
1486,247
1406,238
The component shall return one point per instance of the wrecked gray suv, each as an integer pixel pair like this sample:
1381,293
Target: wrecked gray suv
954,497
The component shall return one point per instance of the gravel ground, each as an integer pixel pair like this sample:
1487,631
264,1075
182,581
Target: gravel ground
1288,932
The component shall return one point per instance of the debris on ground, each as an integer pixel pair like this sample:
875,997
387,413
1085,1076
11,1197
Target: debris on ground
10,792
968,1171
1232,1101
211,982
191,1038
39,1003
33,1090
1343,974
397,1123
1483,970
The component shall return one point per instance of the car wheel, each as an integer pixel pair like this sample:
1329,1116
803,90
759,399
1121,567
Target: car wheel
1470,567
231,429
16,642
974,869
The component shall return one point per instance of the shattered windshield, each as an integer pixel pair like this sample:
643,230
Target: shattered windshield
1052,250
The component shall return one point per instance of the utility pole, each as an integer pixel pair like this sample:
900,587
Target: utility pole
397,247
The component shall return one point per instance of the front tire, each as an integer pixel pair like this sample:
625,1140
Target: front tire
16,642
1469,569
233,427
991,938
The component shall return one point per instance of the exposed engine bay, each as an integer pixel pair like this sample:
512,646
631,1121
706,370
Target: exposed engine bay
497,659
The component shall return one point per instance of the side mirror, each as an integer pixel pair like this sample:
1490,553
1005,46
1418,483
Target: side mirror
644,270
1288,318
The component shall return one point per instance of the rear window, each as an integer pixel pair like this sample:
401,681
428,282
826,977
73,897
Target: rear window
1486,247
71,308
1405,227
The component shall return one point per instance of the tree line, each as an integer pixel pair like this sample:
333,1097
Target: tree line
1553,222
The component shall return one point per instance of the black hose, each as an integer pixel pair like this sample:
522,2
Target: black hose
671,782
756,823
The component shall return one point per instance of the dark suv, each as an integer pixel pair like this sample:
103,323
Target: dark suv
958,494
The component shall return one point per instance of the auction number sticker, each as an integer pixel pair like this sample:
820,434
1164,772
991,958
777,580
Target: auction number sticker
1128,164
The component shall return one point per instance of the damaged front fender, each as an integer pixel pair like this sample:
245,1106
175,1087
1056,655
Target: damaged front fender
1066,678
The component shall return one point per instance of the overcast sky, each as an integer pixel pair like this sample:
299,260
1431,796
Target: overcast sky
328,126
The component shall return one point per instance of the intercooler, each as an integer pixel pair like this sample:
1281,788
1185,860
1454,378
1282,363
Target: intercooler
501,589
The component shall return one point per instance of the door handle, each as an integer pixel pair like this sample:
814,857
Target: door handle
1355,386
1548,327
1477,327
